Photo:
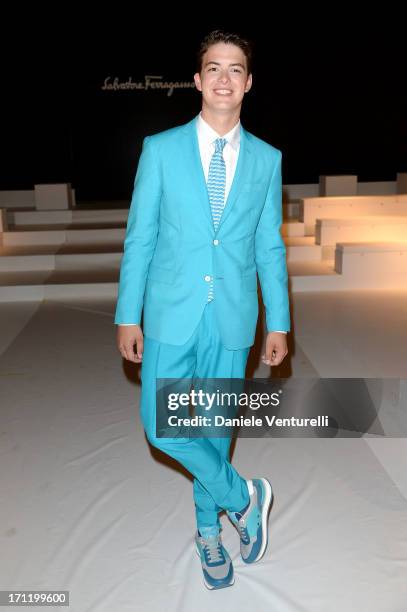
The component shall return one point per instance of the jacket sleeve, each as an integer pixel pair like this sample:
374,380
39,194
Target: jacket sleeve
270,256
141,236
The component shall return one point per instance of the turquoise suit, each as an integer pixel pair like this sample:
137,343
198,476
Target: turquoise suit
171,250
169,247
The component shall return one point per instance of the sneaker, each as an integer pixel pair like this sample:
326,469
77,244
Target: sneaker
216,563
252,523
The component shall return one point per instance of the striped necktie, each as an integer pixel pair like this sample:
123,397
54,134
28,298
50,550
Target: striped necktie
216,184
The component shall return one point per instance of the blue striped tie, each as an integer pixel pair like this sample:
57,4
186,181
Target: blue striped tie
216,189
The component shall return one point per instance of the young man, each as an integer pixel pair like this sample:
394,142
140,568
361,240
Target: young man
205,218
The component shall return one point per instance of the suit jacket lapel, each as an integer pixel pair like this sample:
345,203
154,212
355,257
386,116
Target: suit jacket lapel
242,169
197,171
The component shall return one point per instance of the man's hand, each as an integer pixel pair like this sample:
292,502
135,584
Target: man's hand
276,348
127,337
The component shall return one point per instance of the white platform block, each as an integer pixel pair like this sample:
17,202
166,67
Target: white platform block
39,292
95,236
292,228
300,190
66,218
357,266
22,293
40,217
303,252
377,188
402,182
53,196
108,215
26,263
361,229
31,238
381,264
291,210
62,236
350,206
338,185
88,262
3,220
80,290
19,198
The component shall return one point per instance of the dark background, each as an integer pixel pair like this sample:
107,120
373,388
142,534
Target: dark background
334,102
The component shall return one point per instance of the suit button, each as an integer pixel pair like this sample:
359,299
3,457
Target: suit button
216,242
207,278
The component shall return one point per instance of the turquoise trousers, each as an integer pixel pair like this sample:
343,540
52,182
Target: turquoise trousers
216,485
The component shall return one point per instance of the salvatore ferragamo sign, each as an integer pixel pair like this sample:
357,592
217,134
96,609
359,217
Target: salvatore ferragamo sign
153,83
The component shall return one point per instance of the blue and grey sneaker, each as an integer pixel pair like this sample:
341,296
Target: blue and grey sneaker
252,522
216,563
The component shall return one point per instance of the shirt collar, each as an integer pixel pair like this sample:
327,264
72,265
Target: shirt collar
208,135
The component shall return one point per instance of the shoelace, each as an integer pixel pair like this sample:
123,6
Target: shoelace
242,529
213,549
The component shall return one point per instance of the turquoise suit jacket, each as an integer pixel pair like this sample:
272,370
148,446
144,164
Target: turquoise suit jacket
171,247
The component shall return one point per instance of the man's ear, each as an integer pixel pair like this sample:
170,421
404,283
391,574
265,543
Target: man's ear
248,83
197,80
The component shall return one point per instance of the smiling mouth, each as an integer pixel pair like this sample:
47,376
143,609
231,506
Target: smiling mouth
223,92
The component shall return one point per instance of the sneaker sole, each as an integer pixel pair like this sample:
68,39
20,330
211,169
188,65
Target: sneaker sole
210,586
264,513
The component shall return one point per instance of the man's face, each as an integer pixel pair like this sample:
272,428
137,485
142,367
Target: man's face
223,79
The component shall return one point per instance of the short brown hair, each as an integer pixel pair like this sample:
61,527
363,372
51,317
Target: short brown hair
220,36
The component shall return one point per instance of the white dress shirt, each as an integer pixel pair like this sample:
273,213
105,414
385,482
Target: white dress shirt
206,140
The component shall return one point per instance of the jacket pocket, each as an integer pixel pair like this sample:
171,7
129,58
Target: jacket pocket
253,187
249,282
161,275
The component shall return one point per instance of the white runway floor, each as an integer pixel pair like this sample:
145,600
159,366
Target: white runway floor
87,506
